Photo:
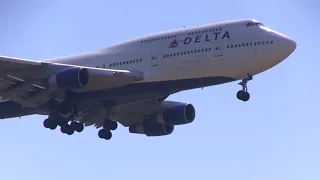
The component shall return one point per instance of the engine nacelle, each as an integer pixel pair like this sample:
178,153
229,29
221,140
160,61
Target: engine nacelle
151,129
176,113
70,78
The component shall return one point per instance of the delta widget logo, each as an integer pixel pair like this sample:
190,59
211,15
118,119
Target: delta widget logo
173,44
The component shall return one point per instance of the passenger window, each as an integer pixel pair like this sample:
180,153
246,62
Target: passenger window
231,46
271,42
247,44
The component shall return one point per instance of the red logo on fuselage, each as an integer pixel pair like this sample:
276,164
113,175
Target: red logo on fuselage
173,44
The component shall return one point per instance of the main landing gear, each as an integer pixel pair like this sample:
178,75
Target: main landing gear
105,132
243,94
62,119
54,121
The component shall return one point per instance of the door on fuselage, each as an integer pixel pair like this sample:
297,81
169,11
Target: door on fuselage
218,48
154,60
154,66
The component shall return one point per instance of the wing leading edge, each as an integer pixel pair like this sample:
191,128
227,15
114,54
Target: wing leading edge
33,83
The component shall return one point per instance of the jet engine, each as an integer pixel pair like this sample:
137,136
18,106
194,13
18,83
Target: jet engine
151,129
175,113
70,78
163,122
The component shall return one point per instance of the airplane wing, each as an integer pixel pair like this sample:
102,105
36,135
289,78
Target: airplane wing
33,83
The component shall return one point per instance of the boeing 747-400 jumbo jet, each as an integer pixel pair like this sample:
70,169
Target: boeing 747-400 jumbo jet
128,83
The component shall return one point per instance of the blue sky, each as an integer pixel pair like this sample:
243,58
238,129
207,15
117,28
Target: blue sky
275,135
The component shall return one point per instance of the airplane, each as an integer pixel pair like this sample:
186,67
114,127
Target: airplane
128,83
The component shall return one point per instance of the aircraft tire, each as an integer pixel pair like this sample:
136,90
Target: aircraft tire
47,123
76,126
243,95
105,134
113,125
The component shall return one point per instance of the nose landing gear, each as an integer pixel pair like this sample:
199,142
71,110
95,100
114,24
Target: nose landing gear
243,94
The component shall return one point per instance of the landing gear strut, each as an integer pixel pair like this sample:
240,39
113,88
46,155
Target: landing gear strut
243,94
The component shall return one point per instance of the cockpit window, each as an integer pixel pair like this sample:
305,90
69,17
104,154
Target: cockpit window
254,24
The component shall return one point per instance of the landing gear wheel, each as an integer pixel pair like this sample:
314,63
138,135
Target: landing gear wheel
77,126
108,124
113,125
70,131
243,95
50,124
105,134
66,129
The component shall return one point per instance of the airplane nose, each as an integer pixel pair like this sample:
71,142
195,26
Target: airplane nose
290,45
285,47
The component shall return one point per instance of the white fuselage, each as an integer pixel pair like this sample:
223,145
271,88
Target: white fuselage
227,49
